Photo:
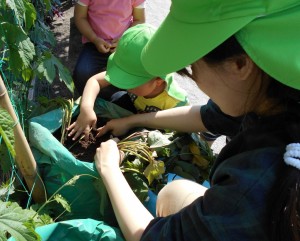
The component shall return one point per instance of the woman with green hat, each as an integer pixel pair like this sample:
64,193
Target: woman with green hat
245,55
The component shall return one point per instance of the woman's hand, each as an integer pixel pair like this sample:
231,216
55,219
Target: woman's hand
117,127
108,156
132,216
84,123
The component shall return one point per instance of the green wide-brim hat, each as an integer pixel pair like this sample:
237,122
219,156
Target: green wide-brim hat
124,68
268,30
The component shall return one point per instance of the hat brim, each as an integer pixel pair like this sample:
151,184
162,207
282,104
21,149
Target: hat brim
120,78
273,43
178,44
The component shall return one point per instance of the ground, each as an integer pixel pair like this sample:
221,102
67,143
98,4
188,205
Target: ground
68,45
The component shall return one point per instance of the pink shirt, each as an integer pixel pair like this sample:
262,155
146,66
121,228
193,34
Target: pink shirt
109,18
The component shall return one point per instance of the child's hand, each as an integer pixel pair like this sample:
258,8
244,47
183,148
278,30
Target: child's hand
114,44
84,123
117,127
102,45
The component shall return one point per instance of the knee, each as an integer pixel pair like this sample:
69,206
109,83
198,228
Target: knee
176,195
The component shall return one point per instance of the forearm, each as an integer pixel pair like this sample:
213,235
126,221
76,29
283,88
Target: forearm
86,30
90,93
183,119
131,214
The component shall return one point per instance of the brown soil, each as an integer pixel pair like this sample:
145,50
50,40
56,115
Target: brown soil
81,149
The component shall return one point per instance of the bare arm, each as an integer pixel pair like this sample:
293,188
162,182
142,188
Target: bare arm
131,214
84,27
92,89
87,118
138,16
183,119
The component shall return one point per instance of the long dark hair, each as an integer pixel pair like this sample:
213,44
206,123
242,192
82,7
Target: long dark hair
285,211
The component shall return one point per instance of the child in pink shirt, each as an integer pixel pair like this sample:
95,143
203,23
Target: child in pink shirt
102,23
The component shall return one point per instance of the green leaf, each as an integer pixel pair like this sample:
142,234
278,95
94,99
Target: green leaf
3,4
21,49
30,14
65,76
47,4
137,184
42,34
5,163
59,198
13,219
156,139
27,74
47,69
18,7
6,189
154,170
6,130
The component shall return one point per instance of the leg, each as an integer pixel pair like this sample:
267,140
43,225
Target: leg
89,63
176,195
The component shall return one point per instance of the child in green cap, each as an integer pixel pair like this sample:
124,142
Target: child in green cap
144,92
245,55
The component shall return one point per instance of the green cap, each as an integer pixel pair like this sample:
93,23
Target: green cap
124,68
268,30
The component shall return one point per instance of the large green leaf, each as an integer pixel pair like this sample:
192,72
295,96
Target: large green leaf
16,221
42,34
65,76
47,69
6,130
24,12
21,49
18,7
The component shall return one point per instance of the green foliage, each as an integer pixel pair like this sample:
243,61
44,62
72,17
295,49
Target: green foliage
5,164
152,154
47,67
25,42
138,183
6,130
19,223
60,199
